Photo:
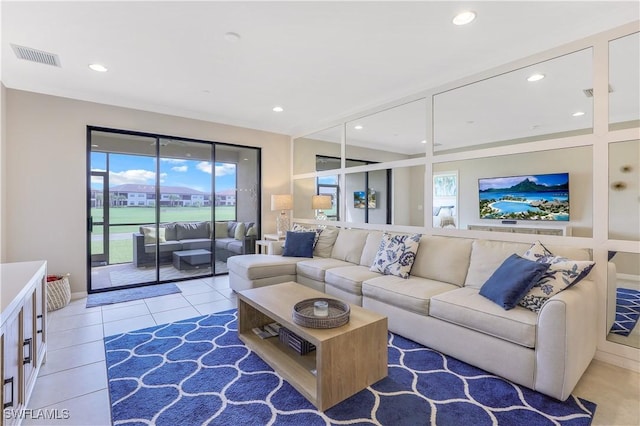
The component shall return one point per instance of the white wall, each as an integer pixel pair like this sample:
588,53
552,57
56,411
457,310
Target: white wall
576,161
45,215
3,129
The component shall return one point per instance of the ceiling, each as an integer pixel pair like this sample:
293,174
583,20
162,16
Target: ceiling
320,61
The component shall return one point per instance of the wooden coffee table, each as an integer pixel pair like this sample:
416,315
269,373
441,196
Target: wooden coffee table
347,359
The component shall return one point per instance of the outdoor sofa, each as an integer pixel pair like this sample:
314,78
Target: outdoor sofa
226,239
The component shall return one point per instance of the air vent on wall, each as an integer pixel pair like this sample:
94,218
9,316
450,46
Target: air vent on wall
34,55
589,92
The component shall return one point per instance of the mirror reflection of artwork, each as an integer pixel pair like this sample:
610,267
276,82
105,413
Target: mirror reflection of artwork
445,186
359,199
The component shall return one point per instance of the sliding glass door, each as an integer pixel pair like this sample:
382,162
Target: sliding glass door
163,209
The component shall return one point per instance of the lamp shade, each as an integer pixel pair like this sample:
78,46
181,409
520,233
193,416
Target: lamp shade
281,202
321,202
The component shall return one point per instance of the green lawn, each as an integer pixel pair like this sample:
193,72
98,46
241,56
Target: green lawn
167,214
121,249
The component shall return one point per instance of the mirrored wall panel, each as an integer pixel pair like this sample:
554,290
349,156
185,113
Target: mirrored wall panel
303,191
624,190
394,134
408,196
542,101
624,84
546,192
623,298
309,151
368,197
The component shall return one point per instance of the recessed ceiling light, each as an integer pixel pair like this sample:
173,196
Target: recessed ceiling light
424,141
577,113
98,67
357,127
464,18
535,77
278,109
231,36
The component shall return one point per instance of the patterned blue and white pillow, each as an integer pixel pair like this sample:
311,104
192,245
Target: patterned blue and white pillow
562,274
396,254
300,228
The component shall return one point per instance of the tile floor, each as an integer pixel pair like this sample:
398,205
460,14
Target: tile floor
74,377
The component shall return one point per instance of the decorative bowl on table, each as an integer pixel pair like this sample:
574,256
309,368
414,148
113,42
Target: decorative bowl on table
321,313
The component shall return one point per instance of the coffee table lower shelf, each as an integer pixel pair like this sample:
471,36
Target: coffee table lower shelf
294,368
347,359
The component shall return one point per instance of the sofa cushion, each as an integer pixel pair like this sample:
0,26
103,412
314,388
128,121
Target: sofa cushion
486,257
235,246
222,243
240,232
325,243
231,229
512,280
349,278
370,249
467,308
151,236
349,244
192,230
196,243
396,254
170,232
412,294
164,247
221,230
316,268
443,259
257,266
299,244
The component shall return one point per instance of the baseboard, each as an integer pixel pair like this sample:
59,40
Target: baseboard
78,295
617,360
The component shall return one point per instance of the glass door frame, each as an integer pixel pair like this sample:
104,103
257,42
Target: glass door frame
158,137
104,256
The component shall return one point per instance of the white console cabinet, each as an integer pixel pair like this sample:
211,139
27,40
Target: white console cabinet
522,229
23,334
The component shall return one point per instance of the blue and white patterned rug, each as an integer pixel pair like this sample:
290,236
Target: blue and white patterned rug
197,371
627,311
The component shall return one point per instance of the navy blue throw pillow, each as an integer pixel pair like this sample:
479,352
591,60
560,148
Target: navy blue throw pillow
512,281
299,244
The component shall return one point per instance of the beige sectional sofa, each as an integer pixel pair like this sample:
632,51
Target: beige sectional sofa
439,305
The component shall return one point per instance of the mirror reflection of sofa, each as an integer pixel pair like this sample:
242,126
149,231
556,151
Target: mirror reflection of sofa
231,238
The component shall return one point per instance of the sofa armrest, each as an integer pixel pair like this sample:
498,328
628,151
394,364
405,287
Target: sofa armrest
275,247
566,339
249,245
138,249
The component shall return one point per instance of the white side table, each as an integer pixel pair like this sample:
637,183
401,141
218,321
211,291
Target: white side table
274,237
262,246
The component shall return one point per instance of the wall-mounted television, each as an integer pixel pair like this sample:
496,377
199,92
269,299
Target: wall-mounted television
526,197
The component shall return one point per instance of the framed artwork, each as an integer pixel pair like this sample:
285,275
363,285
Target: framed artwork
359,199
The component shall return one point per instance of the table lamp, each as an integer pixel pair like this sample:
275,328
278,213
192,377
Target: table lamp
282,202
320,203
